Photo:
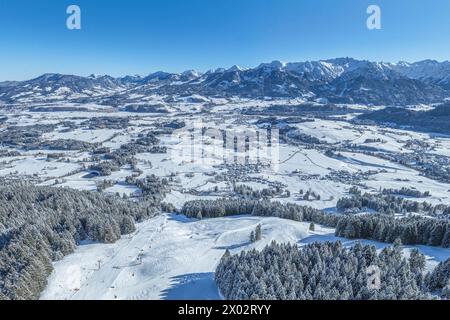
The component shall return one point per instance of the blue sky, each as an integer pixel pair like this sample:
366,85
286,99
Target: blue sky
143,36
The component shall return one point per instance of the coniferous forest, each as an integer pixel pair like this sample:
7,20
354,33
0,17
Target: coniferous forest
376,226
328,271
39,225
224,151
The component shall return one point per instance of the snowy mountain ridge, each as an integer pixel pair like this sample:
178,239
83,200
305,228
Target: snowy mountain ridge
341,80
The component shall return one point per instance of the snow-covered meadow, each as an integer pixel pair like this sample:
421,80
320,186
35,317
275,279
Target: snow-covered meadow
173,257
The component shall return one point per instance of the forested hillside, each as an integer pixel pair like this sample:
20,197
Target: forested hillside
41,224
435,120
377,226
325,271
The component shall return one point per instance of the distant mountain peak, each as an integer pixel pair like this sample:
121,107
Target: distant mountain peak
236,68
191,72
340,80
276,64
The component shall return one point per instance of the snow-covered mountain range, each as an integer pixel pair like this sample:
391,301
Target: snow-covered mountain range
342,80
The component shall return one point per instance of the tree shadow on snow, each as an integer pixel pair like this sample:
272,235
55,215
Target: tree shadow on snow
181,218
233,246
194,286
330,237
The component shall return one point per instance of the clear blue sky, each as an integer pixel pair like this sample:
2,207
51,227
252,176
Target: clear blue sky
142,36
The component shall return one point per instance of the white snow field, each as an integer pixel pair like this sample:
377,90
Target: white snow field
298,167
173,257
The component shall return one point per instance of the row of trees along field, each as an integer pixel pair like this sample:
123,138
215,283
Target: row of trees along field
381,227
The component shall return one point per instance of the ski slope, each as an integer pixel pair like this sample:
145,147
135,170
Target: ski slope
168,257
172,257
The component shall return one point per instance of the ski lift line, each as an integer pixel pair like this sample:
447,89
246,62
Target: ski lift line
115,255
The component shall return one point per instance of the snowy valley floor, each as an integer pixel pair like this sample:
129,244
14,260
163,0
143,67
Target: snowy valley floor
172,257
